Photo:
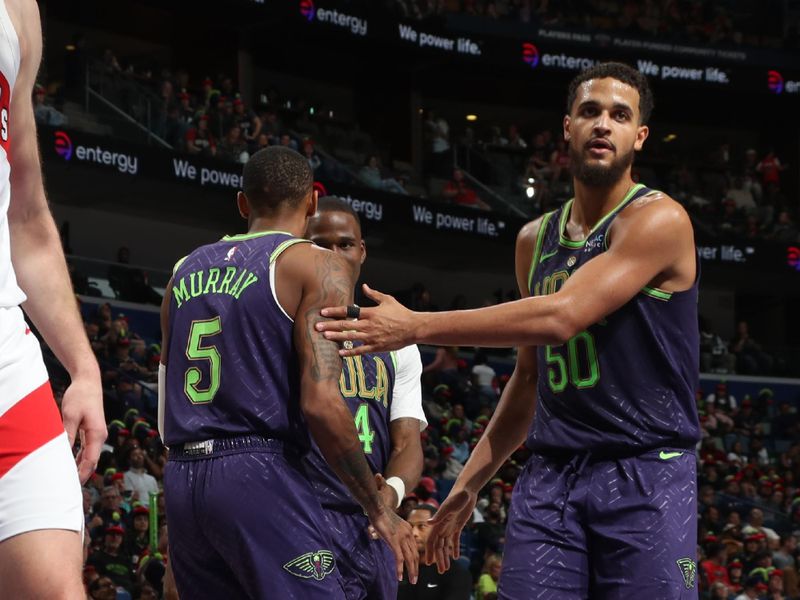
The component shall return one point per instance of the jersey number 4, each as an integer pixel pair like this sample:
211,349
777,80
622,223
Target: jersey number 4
580,367
196,390
365,433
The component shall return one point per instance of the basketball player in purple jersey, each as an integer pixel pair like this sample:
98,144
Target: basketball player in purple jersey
245,380
384,394
603,390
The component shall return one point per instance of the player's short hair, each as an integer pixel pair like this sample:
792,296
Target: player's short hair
275,177
429,507
336,204
621,72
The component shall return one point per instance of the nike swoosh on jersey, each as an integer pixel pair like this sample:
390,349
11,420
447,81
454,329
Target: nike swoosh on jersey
544,257
667,455
433,585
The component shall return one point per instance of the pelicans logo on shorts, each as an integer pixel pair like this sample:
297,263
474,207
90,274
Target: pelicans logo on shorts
688,570
317,564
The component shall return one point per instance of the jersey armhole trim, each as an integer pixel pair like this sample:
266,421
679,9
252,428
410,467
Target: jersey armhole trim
178,264
657,293
537,251
272,265
283,246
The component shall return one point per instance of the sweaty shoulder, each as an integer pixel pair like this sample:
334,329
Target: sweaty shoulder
654,214
657,229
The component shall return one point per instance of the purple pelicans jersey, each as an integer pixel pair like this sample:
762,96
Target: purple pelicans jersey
232,369
367,387
626,384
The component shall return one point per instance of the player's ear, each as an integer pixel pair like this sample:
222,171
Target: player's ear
313,200
566,128
243,204
363,251
641,136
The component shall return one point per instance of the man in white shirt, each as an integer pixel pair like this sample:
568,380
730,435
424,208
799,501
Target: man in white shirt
138,479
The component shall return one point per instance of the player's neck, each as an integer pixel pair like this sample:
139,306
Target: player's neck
592,203
292,223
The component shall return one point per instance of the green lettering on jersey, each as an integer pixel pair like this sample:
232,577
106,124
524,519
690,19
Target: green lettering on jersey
363,391
347,381
381,381
251,279
225,284
213,277
179,291
198,289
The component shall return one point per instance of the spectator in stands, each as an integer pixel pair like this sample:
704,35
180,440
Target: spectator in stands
770,168
750,357
233,147
458,191
785,556
714,355
483,377
137,540
741,197
515,139
784,231
131,283
454,584
102,588
492,531
753,588
437,134
755,525
261,142
44,113
199,139
486,588
559,162
724,400
248,122
112,560
314,160
370,174
288,141
138,479
714,567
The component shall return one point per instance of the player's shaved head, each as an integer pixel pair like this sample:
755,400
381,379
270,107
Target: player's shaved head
336,204
277,177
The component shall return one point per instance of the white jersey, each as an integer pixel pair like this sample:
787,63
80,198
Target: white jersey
10,293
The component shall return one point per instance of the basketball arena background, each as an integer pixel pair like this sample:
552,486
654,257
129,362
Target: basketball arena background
440,123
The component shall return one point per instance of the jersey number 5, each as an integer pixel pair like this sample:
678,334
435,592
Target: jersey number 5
195,351
581,369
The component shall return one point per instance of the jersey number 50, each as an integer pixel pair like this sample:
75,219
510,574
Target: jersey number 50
580,368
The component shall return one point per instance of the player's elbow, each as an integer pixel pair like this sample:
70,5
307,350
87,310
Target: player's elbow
560,325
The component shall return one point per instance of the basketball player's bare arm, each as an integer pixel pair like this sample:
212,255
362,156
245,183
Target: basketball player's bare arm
38,258
652,244
505,432
324,278
405,460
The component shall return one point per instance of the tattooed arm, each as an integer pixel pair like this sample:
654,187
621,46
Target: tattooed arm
325,278
329,420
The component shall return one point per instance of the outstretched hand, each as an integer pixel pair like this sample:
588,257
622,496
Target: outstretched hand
444,540
398,534
388,326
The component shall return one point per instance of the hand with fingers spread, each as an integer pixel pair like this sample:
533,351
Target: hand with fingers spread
398,534
444,540
388,326
82,412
